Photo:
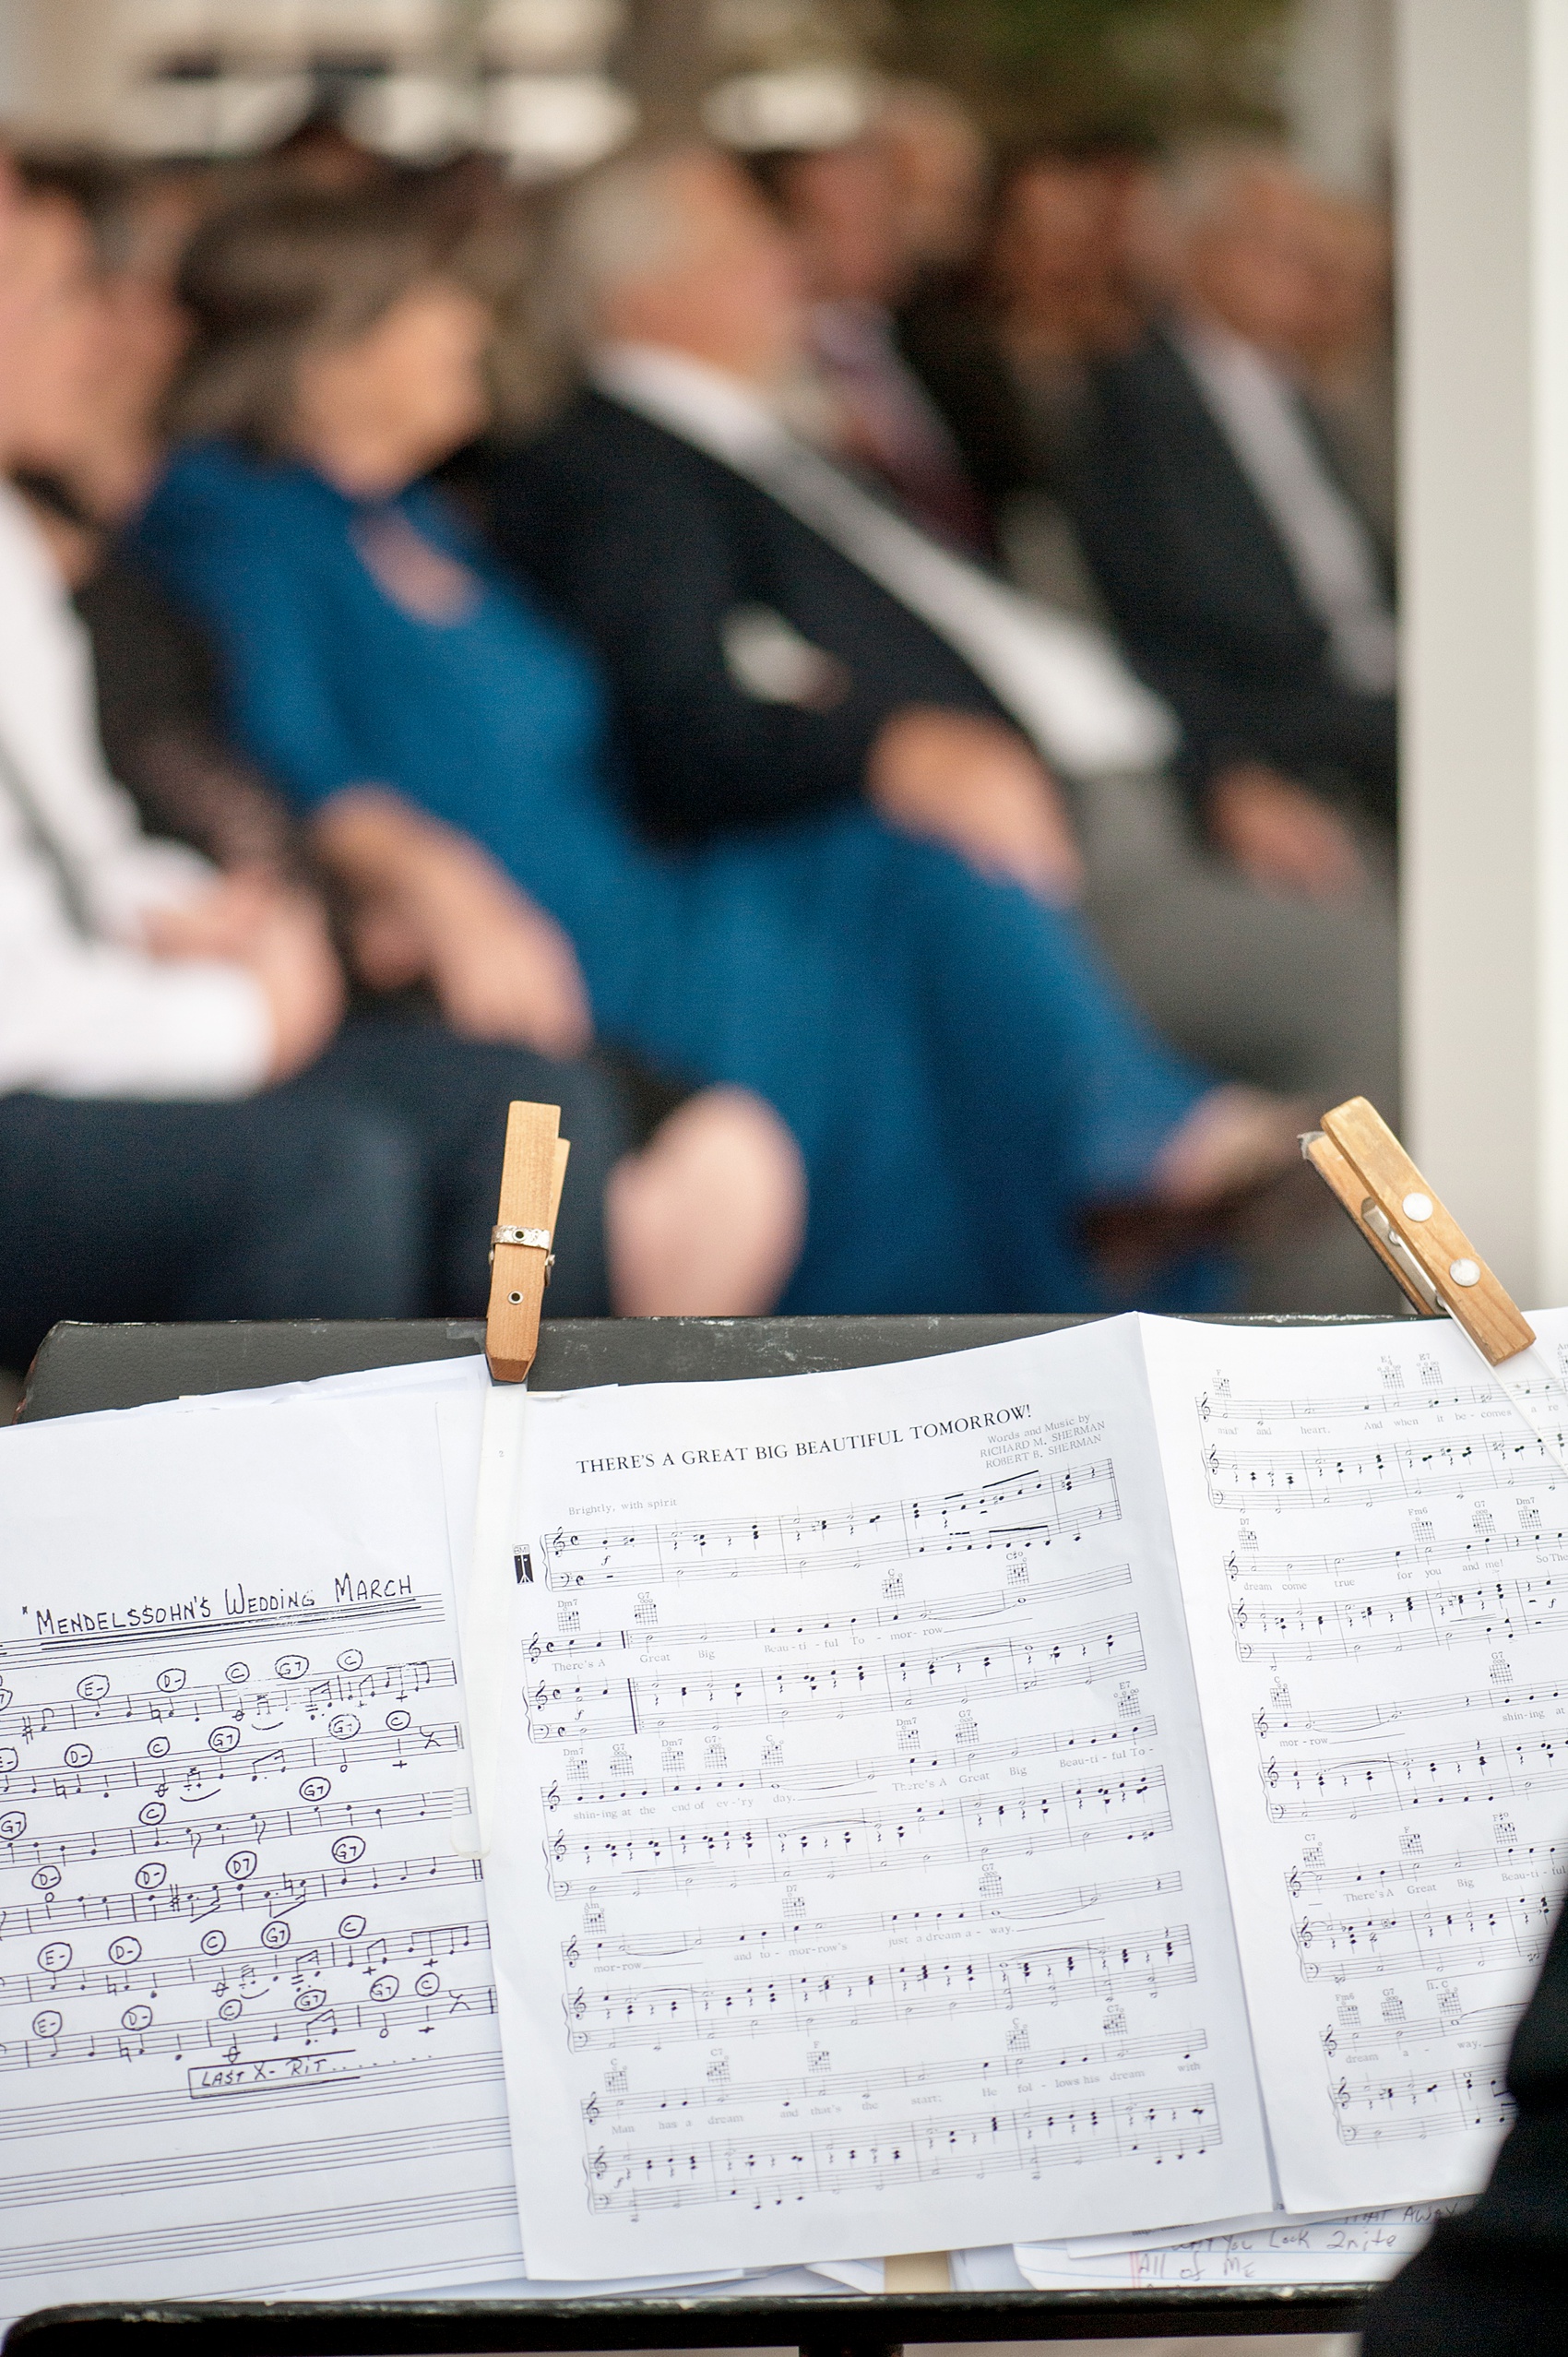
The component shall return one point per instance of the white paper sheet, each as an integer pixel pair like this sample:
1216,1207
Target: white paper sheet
1364,2246
1374,1557
854,1881
247,2041
991,2269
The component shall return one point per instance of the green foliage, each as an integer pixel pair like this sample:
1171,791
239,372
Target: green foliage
1140,68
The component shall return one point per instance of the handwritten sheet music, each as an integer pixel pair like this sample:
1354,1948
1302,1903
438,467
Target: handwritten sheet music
1362,2246
854,1881
247,2031
1374,1557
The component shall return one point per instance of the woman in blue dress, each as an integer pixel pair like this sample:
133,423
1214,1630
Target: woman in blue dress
963,1079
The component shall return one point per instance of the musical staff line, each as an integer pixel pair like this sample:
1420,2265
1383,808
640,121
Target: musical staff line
367,2150
1410,1619
987,1604
1477,1938
718,2090
1545,1859
872,1685
1419,2105
1477,1549
1097,1968
844,1775
605,1947
1376,1473
1167,2123
1362,1718
347,1819
218,2042
270,1894
191,1777
1056,1504
160,1706
1375,1782
1312,1409
246,1972
973,1828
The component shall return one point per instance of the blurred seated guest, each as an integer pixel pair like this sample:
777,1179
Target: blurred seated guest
138,219
964,1083
1343,346
840,206
1060,289
137,991
778,641
1246,582
1010,366
940,165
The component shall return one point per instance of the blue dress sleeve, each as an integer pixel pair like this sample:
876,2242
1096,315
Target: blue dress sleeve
274,641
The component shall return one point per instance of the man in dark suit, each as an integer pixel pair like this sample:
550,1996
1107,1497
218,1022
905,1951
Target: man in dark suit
725,720
1247,583
778,639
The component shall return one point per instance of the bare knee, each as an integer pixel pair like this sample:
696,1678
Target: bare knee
707,1220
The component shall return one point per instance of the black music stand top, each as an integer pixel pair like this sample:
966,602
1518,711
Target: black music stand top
80,1368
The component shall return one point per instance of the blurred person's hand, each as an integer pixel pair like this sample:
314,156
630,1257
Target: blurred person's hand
280,936
975,785
1282,837
502,970
222,922
430,905
289,952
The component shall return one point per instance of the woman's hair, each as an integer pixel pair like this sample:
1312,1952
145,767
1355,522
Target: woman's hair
288,273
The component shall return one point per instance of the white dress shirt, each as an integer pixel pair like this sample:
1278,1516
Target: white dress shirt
1062,682
84,1012
1329,547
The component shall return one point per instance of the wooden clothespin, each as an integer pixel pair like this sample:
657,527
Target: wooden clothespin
522,1246
1418,1241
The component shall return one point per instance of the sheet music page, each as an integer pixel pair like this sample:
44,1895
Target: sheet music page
855,1885
1375,1555
247,2031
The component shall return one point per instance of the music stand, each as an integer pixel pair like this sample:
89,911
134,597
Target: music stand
80,1368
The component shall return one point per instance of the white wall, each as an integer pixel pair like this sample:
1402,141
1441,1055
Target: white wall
1482,116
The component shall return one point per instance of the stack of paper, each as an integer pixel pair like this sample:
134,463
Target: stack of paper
695,1835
